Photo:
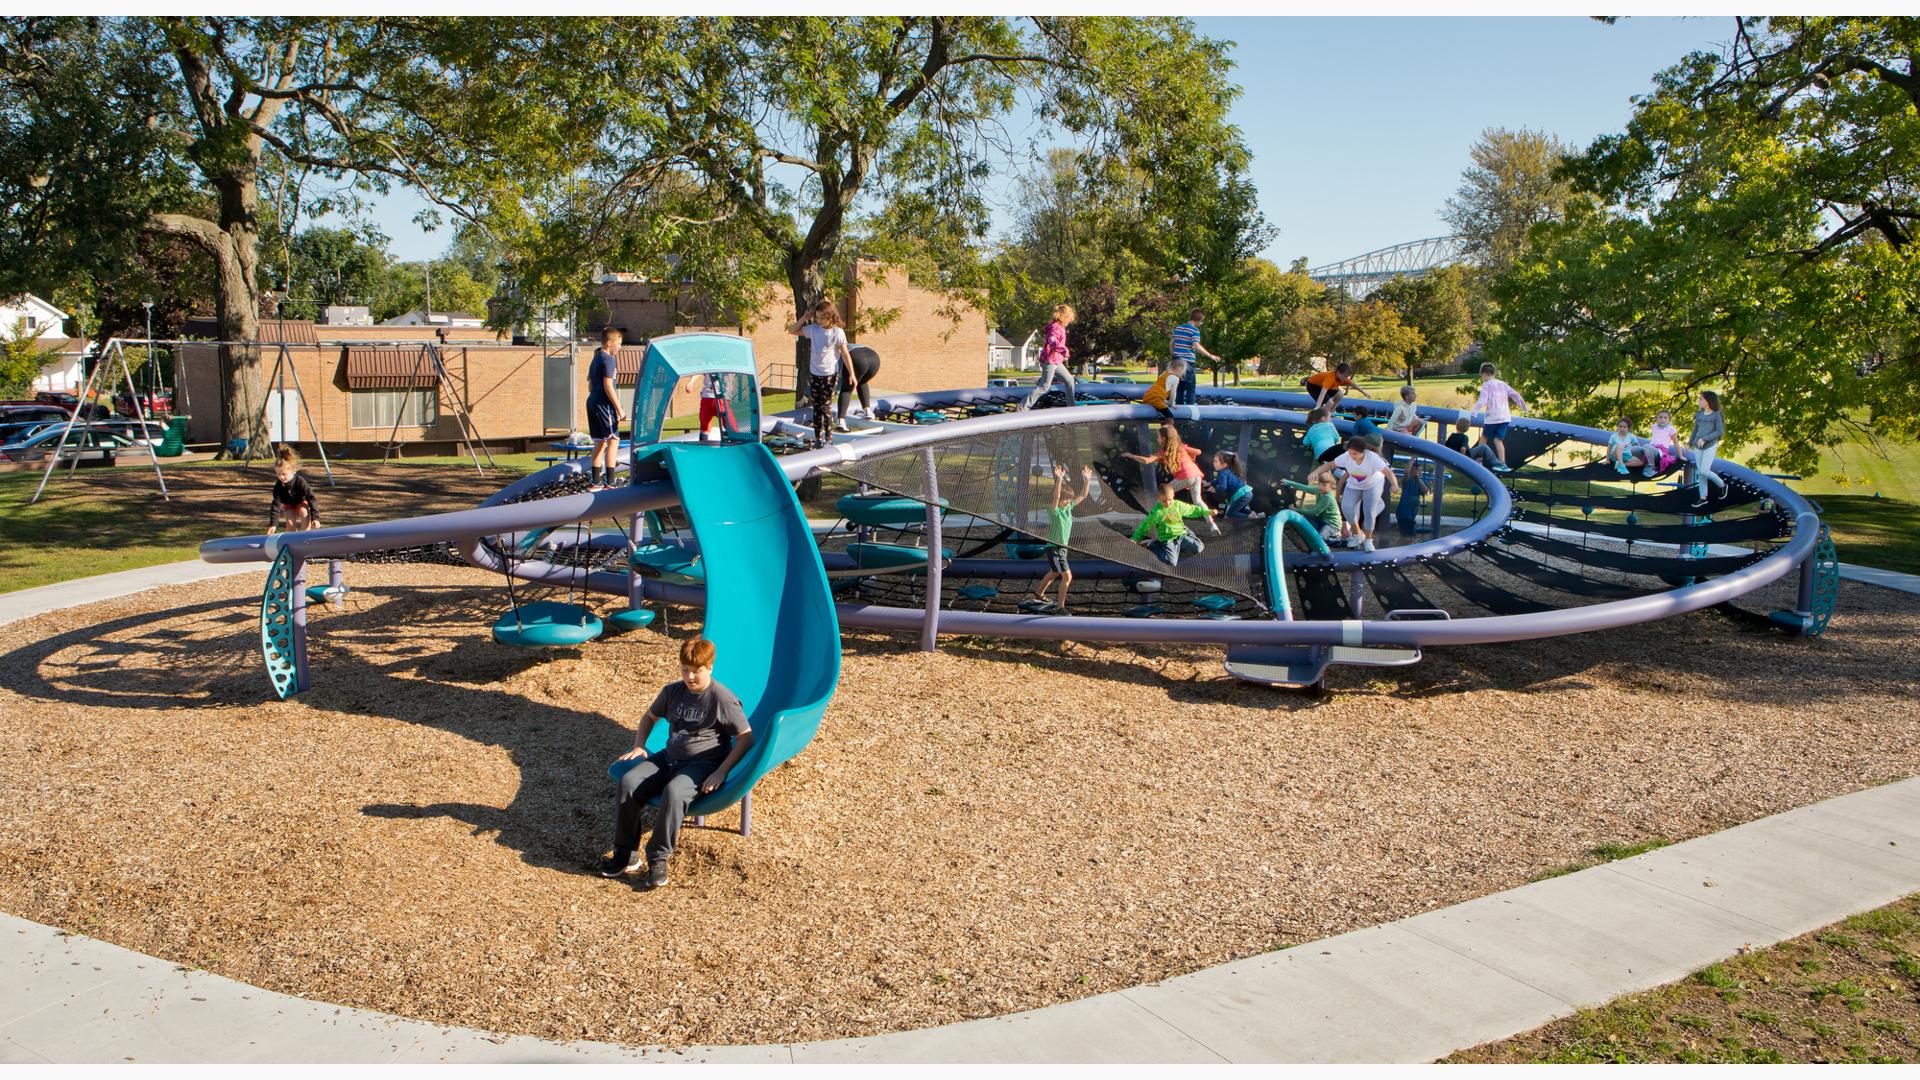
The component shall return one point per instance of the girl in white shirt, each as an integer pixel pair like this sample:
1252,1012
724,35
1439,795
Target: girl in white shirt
1363,495
828,359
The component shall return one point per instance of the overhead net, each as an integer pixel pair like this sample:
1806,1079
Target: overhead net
1004,483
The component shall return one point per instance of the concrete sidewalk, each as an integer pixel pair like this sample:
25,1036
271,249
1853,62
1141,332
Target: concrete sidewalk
1408,991
27,603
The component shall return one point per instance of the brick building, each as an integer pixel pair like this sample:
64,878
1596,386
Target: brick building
359,379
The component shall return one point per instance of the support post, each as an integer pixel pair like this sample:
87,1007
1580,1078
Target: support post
746,813
299,601
1803,597
1439,492
318,443
930,629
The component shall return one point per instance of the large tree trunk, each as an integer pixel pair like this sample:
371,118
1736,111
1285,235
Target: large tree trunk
809,286
237,312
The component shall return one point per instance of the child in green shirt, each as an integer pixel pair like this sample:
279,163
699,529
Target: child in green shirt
1059,531
1164,531
1324,511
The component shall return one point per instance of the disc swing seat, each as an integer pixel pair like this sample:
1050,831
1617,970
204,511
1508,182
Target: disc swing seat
543,624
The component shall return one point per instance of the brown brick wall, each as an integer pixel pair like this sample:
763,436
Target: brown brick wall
922,347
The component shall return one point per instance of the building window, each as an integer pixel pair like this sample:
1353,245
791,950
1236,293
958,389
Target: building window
381,408
33,322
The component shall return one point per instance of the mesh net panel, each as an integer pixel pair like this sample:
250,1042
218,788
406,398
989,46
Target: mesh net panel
1007,480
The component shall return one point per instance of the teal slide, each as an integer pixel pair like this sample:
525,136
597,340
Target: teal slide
770,612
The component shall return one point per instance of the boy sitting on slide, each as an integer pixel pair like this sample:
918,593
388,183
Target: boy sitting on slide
699,713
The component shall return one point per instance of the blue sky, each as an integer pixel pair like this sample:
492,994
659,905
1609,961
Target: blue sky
1360,126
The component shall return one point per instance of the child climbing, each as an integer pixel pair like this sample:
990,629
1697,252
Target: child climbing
1179,465
1709,425
1234,494
292,495
1406,415
701,716
1321,437
1324,511
1059,532
1494,407
1164,530
1413,488
1328,387
1160,394
1480,451
1369,479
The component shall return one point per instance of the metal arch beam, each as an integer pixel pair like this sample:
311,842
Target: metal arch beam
1360,274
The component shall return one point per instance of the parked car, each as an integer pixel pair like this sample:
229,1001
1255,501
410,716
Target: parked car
13,413
82,444
1116,378
152,433
18,431
1003,382
157,403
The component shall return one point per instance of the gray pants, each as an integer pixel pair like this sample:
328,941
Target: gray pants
1169,551
1053,371
676,782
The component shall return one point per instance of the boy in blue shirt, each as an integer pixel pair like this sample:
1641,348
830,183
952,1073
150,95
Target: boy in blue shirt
603,410
1186,343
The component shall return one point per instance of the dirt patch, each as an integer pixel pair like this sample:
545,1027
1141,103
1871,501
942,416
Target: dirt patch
999,826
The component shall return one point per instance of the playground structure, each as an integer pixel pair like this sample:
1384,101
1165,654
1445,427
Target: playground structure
945,508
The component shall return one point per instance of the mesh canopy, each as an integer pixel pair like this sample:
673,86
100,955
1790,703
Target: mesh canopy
1007,481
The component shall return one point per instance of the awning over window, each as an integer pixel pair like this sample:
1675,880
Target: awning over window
371,368
629,370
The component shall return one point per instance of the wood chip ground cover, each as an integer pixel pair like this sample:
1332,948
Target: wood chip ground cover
999,826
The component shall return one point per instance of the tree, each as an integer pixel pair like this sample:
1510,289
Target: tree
1437,305
767,132
1247,310
126,128
22,358
1753,224
1367,335
1511,186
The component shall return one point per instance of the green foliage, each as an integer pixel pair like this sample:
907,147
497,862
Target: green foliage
1437,304
1246,309
1754,223
1512,185
1367,335
21,359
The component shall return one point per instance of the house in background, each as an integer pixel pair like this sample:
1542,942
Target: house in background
416,317
47,324
1001,353
1022,357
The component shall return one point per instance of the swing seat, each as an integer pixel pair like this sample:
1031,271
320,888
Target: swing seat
978,592
883,509
632,619
545,625
317,594
669,562
891,558
1026,551
1214,602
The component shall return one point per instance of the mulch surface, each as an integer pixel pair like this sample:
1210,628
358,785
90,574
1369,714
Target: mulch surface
998,826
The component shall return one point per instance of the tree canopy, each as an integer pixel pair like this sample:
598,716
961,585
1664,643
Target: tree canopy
1513,184
1753,223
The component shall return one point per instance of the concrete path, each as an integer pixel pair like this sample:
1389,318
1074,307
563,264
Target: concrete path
1408,991
27,603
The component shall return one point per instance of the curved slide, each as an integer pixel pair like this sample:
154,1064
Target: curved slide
770,612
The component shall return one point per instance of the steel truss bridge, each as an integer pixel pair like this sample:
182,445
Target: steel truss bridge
1362,274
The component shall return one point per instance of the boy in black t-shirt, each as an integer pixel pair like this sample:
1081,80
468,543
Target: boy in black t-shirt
603,410
702,716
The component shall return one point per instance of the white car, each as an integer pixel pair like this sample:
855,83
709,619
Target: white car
150,432
1116,378
81,445
1003,382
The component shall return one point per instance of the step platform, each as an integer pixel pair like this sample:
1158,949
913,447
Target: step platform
1303,666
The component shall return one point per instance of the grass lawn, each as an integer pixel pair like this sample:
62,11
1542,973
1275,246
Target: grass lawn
1847,993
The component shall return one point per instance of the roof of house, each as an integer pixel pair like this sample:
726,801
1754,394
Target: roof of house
999,340
275,331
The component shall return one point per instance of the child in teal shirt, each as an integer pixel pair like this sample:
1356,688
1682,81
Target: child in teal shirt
1164,532
1321,437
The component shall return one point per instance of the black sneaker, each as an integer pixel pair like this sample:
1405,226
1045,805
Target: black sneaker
1698,503
617,864
656,877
